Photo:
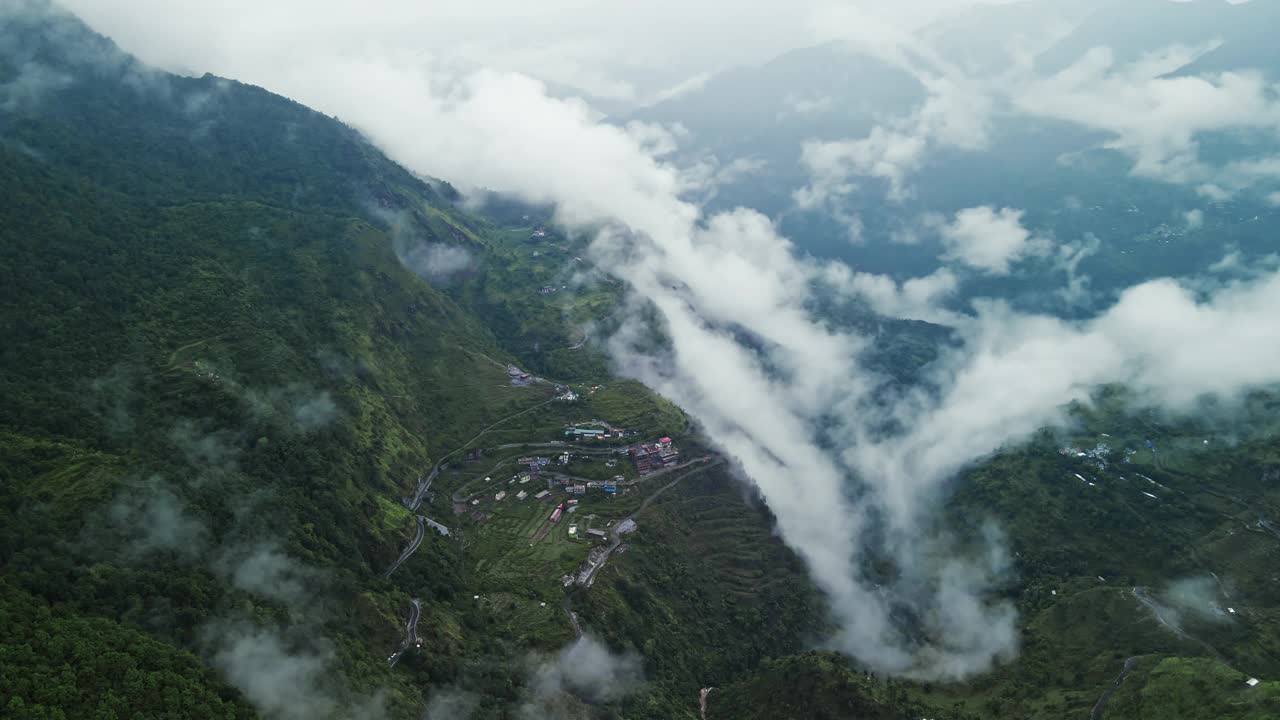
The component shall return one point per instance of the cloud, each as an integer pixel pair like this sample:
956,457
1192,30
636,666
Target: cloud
808,104
919,298
451,704
434,262
283,676
315,412
585,669
1194,219
294,407
263,569
852,467
989,240
1069,257
32,86
955,114
154,519
205,450
1156,117
1197,598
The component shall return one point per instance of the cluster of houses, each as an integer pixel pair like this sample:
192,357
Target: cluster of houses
1097,455
597,430
535,463
609,486
594,433
654,456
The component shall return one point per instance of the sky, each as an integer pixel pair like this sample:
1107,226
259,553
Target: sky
446,91
610,49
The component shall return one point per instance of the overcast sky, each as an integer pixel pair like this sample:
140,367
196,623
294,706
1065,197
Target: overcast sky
610,48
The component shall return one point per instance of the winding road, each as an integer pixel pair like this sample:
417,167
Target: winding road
1101,706
628,524
413,545
410,632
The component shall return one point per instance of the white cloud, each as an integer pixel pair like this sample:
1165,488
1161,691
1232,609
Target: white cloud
778,402
808,104
1194,219
912,299
989,240
1155,117
955,115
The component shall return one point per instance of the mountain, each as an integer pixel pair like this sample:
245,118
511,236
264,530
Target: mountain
1131,29
254,371
238,341
1071,177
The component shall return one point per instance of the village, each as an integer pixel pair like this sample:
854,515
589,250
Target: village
561,509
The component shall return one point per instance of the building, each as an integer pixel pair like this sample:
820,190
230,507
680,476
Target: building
522,495
542,494
596,532
555,516
500,495
578,489
584,433
651,457
610,488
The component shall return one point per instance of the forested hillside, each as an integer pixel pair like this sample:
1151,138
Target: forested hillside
237,339
218,379
281,436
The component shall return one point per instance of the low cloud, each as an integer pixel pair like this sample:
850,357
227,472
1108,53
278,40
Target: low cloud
989,240
207,450
434,262
1156,116
153,518
285,676
919,298
315,412
294,407
451,704
587,670
956,113
264,569
853,468
1196,598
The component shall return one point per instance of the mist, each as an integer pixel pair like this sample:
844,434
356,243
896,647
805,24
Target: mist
785,393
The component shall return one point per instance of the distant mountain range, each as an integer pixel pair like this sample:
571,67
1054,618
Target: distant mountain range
1065,174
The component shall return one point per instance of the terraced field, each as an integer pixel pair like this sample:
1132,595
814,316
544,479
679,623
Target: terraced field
702,564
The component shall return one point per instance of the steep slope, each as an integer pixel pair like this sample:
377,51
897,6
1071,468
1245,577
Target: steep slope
218,375
237,340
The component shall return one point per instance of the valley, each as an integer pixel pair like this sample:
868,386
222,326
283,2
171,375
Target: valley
292,430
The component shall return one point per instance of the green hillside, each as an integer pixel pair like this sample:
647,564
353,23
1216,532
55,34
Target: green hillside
237,336
220,376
